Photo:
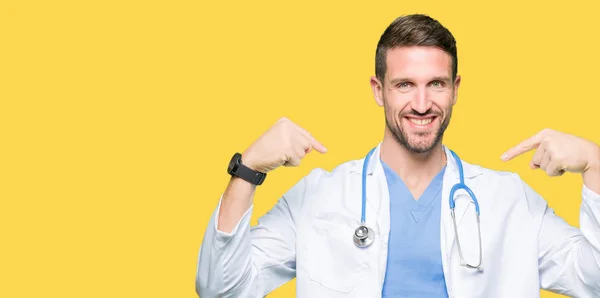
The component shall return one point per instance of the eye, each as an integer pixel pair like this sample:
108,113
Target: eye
437,84
403,85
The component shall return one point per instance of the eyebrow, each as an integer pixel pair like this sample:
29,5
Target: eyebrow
398,80
443,79
437,78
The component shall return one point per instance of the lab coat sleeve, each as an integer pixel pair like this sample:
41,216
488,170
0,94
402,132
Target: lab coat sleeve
250,261
569,257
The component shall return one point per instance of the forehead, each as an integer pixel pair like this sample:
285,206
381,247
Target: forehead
418,61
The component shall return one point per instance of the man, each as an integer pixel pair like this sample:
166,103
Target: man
516,247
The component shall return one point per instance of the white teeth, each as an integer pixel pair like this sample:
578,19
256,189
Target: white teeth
421,121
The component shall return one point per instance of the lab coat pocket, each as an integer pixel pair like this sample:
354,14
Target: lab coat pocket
333,260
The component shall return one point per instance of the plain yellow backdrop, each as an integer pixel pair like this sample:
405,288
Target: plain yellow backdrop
118,118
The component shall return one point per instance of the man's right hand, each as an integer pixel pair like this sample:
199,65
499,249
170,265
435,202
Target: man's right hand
285,143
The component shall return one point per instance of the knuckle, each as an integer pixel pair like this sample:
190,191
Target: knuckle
283,121
287,121
547,131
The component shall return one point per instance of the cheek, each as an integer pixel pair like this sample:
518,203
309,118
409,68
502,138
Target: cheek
392,114
442,100
441,95
398,101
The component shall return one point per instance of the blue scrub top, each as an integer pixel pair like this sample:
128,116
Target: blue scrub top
414,264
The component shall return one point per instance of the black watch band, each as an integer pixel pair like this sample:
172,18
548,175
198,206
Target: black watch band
238,169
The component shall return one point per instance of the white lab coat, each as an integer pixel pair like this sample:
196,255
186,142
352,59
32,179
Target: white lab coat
308,235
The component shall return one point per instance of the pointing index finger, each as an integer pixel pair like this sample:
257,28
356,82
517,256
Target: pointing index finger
317,145
526,145
313,142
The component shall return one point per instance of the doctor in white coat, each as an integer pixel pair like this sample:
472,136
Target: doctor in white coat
517,247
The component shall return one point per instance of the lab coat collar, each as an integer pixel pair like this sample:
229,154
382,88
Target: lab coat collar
379,201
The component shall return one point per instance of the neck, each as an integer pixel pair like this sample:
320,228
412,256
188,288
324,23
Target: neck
415,169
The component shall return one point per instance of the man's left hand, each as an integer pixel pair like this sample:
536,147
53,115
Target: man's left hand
558,152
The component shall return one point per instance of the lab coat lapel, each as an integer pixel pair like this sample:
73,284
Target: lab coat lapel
452,177
447,228
377,194
378,204
462,204
381,198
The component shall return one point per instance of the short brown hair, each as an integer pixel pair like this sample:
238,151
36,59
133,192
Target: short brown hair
414,30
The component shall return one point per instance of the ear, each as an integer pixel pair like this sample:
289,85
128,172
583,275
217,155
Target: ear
456,85
377,88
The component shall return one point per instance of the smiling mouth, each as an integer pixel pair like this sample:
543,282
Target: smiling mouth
421,121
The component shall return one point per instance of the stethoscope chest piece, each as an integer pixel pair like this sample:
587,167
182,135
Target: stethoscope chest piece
363,236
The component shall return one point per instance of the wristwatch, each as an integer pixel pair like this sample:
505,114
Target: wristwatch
238,169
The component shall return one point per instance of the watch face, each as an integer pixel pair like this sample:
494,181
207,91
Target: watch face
233,163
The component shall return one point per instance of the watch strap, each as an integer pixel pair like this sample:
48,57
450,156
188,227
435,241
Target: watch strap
250,175
238,169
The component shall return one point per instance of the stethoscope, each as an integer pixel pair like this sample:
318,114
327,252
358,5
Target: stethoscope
364,236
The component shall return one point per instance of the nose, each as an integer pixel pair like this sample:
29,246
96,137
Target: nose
421,103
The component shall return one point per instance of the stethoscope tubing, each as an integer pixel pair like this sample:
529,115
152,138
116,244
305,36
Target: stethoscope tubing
362,239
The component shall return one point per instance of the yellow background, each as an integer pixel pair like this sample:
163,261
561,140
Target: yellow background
118,118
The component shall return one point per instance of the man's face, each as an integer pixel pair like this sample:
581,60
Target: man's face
417,95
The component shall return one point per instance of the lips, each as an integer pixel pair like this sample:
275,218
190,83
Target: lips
420,122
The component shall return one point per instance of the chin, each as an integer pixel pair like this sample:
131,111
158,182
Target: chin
421,144
420,148
416,140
